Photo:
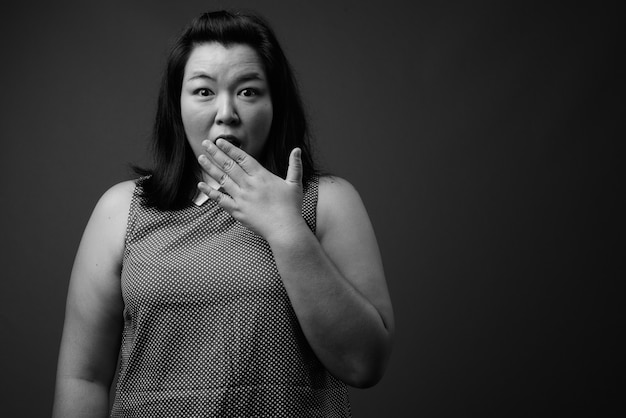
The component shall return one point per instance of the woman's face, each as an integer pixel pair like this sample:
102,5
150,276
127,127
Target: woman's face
225,93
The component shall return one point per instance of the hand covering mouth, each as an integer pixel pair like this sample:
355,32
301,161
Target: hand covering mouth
230,138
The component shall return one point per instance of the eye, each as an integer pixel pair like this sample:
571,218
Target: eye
204,92
249,92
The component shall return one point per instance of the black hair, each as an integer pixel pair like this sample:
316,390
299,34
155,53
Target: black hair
172,181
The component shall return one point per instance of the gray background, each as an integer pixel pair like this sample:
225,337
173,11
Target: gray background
482,137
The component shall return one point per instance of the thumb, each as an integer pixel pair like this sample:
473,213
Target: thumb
294,171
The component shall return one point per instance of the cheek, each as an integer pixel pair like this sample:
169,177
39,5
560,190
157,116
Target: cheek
195,121
263,120
196,127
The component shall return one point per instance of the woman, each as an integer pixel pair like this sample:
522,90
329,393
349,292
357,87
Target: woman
232,280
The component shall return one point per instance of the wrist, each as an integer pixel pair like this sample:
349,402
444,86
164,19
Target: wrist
288,232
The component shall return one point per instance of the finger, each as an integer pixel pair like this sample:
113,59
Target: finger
245,161
211,168
222,199
294,171
225,163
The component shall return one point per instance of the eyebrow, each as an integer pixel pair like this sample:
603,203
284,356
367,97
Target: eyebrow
200,75
243,77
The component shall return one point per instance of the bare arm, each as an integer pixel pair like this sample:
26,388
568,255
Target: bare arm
335,281
337,285
93,316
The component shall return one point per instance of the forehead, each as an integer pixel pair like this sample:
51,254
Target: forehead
218,59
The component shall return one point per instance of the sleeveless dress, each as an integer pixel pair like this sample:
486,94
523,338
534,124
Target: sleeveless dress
209,330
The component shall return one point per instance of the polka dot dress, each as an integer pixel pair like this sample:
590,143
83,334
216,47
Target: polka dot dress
209,330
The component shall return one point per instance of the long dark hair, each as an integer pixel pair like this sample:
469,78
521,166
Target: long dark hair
173,179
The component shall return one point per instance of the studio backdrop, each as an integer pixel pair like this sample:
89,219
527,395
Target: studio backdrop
481,137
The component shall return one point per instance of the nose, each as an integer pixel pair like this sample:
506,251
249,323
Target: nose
226,111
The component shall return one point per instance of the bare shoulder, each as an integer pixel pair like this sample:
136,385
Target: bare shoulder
107,224
335,187
338,201
117,198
